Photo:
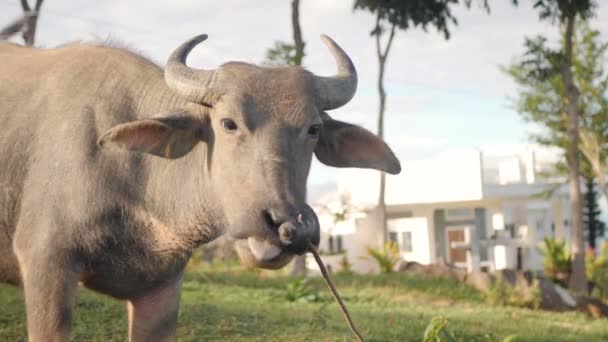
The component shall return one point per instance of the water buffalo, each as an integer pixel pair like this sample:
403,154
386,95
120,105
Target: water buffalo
113,171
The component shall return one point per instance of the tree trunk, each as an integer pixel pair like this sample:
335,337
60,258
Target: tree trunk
382,56
381,109
26,25
299,263
29,35
297,32
578,282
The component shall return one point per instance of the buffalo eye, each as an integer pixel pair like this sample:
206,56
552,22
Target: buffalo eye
229,125
314,130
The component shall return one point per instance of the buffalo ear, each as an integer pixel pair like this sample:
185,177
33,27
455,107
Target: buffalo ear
344,145
168,136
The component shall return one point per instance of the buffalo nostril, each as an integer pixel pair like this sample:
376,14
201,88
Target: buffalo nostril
269,219
287,231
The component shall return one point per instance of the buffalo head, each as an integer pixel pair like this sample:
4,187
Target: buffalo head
260,127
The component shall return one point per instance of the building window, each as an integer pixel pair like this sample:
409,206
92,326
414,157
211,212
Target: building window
403,240
335,244
540,224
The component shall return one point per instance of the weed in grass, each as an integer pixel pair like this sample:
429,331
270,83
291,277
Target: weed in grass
437,331
386,257
300,290
501,293
345,266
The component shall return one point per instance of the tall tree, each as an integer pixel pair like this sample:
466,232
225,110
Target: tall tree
26,25
566,13
291,54
594,131
392,15
552,80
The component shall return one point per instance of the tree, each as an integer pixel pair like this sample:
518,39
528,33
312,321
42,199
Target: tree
288,53
26,25
390,16
594,226
543,100
550,63
593,133
291,54
594,128
566,12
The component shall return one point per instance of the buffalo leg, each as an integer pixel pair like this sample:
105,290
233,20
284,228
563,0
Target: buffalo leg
49,299
153,317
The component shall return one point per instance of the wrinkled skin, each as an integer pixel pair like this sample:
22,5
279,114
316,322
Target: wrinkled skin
112,174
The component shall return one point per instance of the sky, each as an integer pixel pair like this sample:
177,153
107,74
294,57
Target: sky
442,94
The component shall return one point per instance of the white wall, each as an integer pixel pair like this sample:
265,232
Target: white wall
448,178
419,228
359,234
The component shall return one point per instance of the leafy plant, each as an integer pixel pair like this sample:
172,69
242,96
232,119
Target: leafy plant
596,267
498,293
557,262
386,257
501,293
300,290
437,331
345,266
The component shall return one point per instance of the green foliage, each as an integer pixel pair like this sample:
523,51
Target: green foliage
543,100
559,10
414,13
594,226
345,266
596,267
286,53
437,331
386,257
557,262
283,54
501,293
300,290
498,293
542,97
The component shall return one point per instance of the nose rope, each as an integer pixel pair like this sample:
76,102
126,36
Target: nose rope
334,291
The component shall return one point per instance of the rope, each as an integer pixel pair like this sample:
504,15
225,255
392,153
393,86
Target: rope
334,291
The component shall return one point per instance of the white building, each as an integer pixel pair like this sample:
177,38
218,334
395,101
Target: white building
471,209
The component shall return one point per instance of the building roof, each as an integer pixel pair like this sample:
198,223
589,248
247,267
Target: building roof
454,177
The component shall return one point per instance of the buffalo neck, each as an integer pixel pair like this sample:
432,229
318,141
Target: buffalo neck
177,188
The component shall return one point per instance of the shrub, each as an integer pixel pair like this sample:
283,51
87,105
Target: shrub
345,266
557,262
596,267
501,293
300,290
386,257
437,331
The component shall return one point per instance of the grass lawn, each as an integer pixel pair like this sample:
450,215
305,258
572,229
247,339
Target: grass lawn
218,305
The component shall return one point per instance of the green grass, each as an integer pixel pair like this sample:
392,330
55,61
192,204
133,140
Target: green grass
249,306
